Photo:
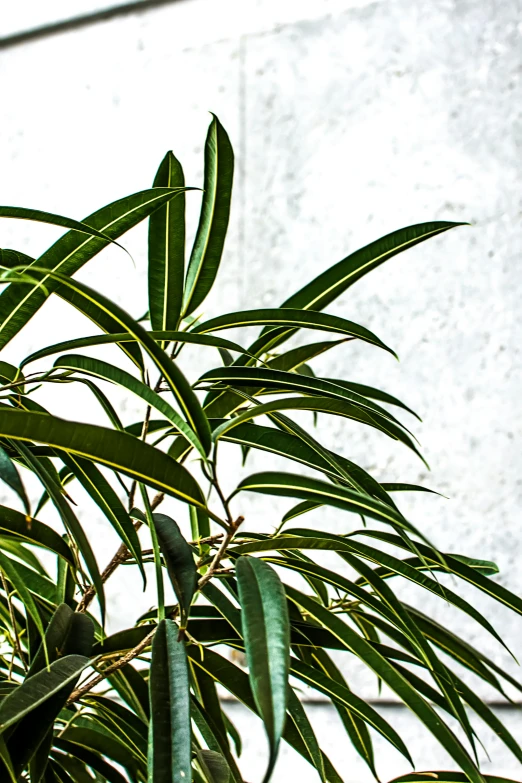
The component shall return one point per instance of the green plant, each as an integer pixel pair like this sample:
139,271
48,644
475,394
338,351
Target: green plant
156,715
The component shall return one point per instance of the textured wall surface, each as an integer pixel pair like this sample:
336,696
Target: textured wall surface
349,119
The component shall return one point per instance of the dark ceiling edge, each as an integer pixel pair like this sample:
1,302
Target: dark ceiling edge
138,6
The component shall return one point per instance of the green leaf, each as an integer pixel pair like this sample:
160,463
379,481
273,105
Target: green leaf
36,690
9,374
117,450
292,318
266,630
179,559
372,393
72,251
177,382
343,696
94,761
13,571
294,486
170,737
125,338
214,765
296,357
355,726
278,381
213,222
458,567
333,282
166,266
99,489
445,777
304,727
68,517
10,476
323,405
36,215
109,372
362,649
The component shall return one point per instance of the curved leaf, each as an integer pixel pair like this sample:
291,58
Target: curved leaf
125,337
109,372
10,476
213,222
34,532
72,251
290,318
117,450
37,689
362,649
179,560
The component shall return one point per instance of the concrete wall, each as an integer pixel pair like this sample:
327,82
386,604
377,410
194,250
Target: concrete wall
349,119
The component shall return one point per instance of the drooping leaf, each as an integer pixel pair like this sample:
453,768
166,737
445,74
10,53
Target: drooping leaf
125,338
166,265
388,674
115,449
179,560
290,318
99,489
107,371
169,754
36,690
323,405
19,303
10,476
215,211
266,630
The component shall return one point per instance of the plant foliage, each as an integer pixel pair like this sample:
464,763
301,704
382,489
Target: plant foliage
143,704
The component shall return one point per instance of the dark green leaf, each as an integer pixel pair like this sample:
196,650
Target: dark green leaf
266,630
293,318
169,738
10,476
36,690
117,450
213,222
179,559
16,524
72,251
166,267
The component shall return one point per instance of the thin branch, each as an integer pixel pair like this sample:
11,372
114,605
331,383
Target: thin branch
17,646
79,692
214,566
118,558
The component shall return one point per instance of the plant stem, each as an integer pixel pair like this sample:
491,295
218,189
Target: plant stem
16,647
79,692
232,530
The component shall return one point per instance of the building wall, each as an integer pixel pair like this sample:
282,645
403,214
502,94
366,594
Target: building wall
349,119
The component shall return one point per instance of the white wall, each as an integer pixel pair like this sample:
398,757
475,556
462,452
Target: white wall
349,119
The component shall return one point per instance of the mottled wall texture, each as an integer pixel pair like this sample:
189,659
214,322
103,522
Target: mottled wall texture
349,119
